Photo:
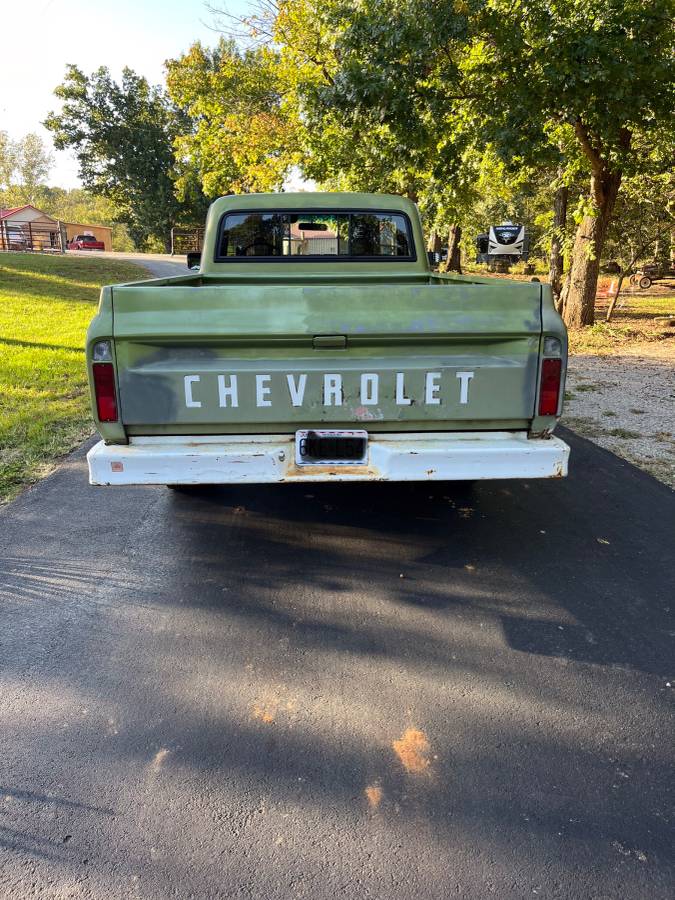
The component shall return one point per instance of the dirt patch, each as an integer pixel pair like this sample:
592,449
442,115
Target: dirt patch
626,403
412,749
374,795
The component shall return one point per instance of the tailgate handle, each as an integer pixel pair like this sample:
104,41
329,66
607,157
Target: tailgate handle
330,342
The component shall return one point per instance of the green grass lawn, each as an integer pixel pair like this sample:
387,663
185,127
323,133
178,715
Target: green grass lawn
46,303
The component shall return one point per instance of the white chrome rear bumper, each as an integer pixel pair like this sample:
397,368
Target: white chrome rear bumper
237,459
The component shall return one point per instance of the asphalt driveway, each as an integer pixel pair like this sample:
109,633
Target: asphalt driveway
381,691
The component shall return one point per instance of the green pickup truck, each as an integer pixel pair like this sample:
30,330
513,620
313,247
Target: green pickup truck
314,343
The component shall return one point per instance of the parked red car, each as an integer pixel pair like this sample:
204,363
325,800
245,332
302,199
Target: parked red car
85,242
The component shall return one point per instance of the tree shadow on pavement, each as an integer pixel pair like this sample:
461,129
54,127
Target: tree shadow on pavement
593,547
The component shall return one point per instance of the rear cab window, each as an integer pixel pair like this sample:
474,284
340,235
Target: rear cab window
314,235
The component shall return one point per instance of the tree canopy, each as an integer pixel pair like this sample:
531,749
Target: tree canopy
25,164
477,109
242,137
561,87
123,136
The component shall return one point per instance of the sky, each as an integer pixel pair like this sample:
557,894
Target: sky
40,38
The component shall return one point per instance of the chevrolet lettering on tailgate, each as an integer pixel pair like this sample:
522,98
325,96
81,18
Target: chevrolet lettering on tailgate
313,342
366,390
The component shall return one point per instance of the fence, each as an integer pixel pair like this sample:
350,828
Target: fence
28,237
186,240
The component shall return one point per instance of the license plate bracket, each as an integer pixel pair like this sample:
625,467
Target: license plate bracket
331,447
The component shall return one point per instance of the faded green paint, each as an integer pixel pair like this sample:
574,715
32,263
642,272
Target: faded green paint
397,318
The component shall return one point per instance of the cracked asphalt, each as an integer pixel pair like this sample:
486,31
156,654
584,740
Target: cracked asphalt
361,691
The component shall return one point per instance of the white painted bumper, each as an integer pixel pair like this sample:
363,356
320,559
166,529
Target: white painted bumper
238,459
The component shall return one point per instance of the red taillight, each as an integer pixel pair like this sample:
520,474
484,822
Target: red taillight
549,389
104,388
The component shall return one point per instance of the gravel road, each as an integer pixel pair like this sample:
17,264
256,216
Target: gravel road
159,265
626,404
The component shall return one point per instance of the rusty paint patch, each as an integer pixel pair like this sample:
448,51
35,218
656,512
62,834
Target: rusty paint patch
363,471
412,750
373,795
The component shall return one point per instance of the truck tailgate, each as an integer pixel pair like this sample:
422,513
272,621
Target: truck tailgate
255,357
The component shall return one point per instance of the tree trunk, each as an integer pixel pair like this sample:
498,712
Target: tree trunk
613,301
557,260
577,299
434,242
454,251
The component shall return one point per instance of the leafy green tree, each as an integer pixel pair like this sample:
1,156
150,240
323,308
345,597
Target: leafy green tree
643,225
375,110
8,160
342,144
592,75
347,141
243,138
401,90
33,163
123,136
365,128
24,166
